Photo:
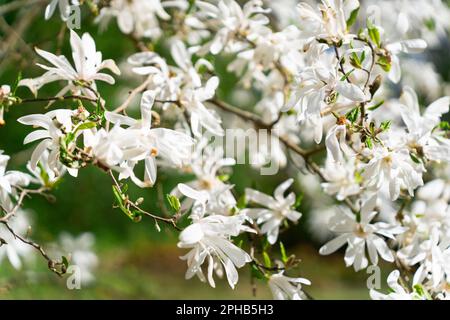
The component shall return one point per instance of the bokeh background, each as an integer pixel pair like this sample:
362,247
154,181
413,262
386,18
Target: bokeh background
136,261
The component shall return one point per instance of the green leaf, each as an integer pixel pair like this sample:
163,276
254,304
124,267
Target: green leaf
385,125
135,216
267,261
352,19
85,125
355,61
376,106
16,83
345,76
298,201
256,273
414,158
224,177
444,125
284,257
385,63
65,261
369,143
242,202
352,115
422,292
174,202
374,33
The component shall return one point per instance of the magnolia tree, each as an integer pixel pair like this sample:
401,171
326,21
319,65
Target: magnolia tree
320,95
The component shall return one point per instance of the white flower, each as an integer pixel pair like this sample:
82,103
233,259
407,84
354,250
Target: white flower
393,168
209,239
277,209
171,145
80,252
9,181
406,46
56,124
229,19
317,86
194,94
286,288
14,249
359,233
64,8
336,144
397,291
205,163
421,136
139,16
329,22
341,179
43,174
112,148
5,90
432,255
88,62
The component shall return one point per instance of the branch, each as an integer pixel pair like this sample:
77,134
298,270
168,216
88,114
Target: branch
170,221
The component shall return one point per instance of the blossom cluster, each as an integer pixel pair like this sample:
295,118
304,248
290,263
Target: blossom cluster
333,82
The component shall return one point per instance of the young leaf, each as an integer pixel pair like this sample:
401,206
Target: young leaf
174,202
267,261
284,257
352,19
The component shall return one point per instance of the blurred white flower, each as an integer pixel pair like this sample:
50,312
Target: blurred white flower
277,209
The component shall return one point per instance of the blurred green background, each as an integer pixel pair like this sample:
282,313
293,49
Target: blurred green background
135,260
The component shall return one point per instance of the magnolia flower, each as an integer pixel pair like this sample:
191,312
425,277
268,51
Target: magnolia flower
43,174
64,8
230,19
112,148
397,291
139,16
335,142
5,90
317,86
80,252
329,22
286,288
193,94
277,209
432,256
56,124
393,168
205,163
88,62
421,136
359,233
342,179
406,46
209,240
171,145
9,181
14,249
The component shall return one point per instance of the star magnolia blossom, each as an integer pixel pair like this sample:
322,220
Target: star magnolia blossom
139,16
14,249
88,62
421,137
9,182
318,83
359,234
286,288
64,8
398,292
173,146
209,240
277,209
56,124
